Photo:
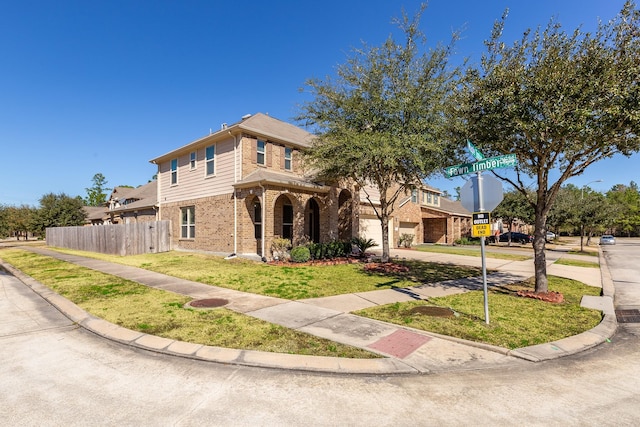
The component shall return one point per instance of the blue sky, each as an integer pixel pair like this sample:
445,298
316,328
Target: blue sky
92,87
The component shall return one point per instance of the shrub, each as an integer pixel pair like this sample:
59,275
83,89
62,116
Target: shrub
330,250
406,240
363,244
280,247
300,254
468,241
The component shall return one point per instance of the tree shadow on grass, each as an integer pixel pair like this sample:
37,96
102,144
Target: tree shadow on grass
424,273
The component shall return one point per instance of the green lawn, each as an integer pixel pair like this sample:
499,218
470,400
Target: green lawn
577,263
138,307
290,282
515,321
472,251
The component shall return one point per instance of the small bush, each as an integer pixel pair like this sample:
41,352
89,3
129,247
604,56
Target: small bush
300,254
363,244
406,240
468,241
280,248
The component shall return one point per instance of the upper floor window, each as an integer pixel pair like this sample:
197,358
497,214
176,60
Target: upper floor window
287,158
261,152
210,157
436,200
192,160
414,196
174,171
429,198
188,222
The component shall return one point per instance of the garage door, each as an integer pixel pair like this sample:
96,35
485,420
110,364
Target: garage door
370,229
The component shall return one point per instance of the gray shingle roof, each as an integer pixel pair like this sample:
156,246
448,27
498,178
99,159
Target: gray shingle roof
260,125
265,176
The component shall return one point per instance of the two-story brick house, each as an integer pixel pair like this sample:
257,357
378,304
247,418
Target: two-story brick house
237,189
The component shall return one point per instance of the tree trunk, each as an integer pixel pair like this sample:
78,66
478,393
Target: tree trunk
539,256
384,220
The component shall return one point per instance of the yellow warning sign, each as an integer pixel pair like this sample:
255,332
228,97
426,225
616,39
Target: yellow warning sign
481,226
481,230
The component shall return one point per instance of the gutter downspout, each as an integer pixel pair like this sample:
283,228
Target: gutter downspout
158,192
235,193
264,219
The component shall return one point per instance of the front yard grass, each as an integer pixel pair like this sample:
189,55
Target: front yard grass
471,251
138,307
577,263
514,321
289,281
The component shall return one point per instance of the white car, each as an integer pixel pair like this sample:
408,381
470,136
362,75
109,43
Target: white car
551,235
607,239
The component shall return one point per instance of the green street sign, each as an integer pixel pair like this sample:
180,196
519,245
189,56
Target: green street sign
504,161
474,151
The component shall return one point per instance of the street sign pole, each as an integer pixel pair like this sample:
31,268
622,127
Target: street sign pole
482,253
472,197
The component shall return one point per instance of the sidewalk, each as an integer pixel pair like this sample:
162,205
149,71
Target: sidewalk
405,350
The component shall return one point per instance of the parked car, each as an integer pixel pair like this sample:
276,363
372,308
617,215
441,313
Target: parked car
515,238
551,235
607,239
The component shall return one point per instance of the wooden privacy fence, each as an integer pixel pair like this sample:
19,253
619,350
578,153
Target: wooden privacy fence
121,239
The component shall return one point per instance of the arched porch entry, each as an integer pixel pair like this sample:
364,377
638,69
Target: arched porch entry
252,239
345,215
283,217
312,220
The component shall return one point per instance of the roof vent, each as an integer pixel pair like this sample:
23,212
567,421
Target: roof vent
223,126
246,116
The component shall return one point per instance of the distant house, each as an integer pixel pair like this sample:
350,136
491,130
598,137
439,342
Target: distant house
237,189
126,205
423,213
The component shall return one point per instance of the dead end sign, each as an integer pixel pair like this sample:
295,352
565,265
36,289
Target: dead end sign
481,224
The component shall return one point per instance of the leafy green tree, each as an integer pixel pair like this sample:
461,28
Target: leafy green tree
597,215
626,201
20,220
97,193
559,101
380,122
58,210
514,206
5,230
565,210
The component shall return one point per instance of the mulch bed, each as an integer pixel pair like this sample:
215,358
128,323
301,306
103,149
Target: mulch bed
334,261
385,267
551,296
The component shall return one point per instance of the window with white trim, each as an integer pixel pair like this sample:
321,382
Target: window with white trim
414,196
210,158
261,152
287,158
174,171
188,222
192,160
